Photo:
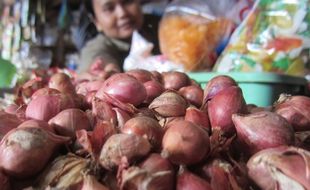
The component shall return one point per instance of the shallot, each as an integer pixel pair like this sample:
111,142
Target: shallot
68,121
185,143
125,88
25,151
169,104
47,106
153,90
221,107
189,181
175,80
282,168
7,123
145,127
63,172
61,82
216,85
141,75
117,146
193,94
295,109
261,130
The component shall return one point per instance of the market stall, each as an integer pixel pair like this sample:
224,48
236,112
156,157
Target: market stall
224,105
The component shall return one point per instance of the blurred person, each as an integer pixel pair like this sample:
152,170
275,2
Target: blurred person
115,21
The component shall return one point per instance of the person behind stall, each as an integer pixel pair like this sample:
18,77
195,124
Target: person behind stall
115,21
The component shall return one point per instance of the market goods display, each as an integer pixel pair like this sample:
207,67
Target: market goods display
142,130
190,33
273,38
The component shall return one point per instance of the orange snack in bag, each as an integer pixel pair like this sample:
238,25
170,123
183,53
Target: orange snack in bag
191,40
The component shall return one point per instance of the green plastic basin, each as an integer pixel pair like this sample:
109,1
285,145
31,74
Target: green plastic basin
259,88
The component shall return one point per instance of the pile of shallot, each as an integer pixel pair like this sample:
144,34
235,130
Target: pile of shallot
142,130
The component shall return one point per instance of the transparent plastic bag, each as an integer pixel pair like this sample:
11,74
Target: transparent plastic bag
140,57
275,37
191,34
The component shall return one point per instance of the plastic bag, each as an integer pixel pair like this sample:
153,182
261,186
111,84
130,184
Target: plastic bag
275,37
235,10
140,57
190,34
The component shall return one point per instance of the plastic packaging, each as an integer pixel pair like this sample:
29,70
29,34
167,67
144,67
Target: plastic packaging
193,33
275,37
190,34
140,57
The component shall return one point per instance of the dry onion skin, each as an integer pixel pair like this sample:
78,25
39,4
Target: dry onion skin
63,172
68,121
145,127
185,143
169,104
121,145
281,167
295,109
25,151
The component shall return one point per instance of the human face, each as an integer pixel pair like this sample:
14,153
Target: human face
117,18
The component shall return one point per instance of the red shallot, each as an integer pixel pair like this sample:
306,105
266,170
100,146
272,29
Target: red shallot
37,123
145,127
295,109
61,82
194,94
117,146
125,88
221,107
262,130
216,85
175,80
189,181
47,106
185,143
169,104
7,123
141,75
282,168
198,117
153,90
68,121
25,151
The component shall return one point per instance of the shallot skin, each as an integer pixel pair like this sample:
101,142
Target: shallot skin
216,85
185,143
189,181
261,130
145,127
25,151
7,123
68,121
175,80
169,104
123,145
47,106
295,109
283,167
223,105
125,88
